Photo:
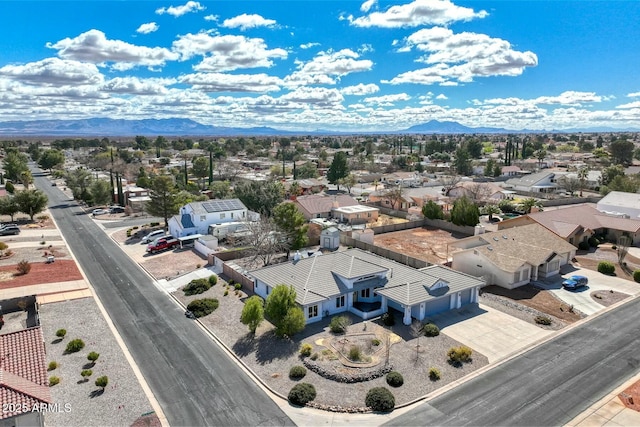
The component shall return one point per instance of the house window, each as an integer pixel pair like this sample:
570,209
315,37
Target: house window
525,274
340,301
369,215
203,218
365,293
222,216
313,311
516,277
231,214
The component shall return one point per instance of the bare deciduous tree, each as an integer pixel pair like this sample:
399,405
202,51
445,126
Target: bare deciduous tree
263,241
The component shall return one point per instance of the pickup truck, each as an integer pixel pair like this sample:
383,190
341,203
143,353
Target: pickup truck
162,244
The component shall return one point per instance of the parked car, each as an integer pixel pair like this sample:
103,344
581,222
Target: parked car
163,243
152,236
10,229
116,209
96,212
575,282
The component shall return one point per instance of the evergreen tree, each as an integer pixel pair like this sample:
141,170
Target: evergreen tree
339,168
163,196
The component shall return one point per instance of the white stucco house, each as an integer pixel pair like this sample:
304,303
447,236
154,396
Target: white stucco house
620,203
368,285
195,218
539,182
512,257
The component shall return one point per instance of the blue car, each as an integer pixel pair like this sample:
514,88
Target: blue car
575,282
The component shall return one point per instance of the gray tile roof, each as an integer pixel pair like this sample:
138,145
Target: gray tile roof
217,205
318,278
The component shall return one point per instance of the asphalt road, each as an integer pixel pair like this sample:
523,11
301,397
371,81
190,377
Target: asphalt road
548,385
194,381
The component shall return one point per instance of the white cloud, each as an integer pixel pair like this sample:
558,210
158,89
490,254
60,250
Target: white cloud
226,53
387,100
309,45
315,96
93,46
325,66
218,82
245,22
177,11
54,72
459,58
367,5
417,13
147,28
360,89
571,98
442,96
213,18
633,95
136,86
634,104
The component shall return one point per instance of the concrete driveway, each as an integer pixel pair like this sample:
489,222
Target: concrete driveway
489,331
581,298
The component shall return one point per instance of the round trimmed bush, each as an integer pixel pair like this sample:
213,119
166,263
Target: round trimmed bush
297,372
339,324
583,246
52,365
380,399
395,379
388,319
213,279
305,350
203,307
74,346
196,286
457,355
606,267
53,381
636,276
301,394
60,333
593,242
431,330
434,374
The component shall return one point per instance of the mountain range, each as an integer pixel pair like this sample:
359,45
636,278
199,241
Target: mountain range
105,127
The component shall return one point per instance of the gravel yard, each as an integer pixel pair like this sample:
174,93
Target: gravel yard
123,400
271,358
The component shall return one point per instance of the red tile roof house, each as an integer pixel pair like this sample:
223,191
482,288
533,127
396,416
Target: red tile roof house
318,206
23,378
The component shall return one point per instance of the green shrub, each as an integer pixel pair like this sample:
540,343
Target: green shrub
74,346
339,324
203,307
93,356
583,246
53,381
355,353
376,342
543,320
434,374
458,355
314,356
388,319
302,393
395,379
60,333
226,293
297,372
102,382
196,286
431,330
237,286
636,276
52,365
593,242
10,189
606,267
213,279
380,399
305,350
86,373
614,247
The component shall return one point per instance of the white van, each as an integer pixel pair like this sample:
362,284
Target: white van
152,236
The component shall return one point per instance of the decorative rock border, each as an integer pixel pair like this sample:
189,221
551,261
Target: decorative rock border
349,379
335,408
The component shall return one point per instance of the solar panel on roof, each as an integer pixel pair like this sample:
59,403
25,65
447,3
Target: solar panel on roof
222,205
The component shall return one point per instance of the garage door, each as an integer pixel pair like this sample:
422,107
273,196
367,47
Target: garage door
438,305
395,305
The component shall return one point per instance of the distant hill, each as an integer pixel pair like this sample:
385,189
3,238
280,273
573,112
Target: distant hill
120,127
435,126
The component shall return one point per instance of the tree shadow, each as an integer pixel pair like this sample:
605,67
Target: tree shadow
88,365
82,381
245,345
57,341
96,393
270,347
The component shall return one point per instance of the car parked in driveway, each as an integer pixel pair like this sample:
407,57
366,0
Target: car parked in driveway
96,212
152,236
575,282
9,229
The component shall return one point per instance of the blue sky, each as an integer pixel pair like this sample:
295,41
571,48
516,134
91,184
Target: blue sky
322,64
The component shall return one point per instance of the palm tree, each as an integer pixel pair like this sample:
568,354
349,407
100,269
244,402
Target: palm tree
529,203
491,210
583,173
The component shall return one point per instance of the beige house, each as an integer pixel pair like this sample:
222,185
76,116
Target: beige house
320,206
356,214
512,257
